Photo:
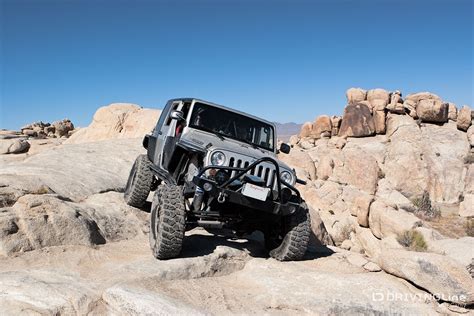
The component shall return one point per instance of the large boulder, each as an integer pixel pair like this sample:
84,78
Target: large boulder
432,110
452,112
14,146
45,220
417,97
321,125
357,121
355,95
74,171
379,122
378,94
358,169
385,220
405,168
301,161
440,275
117,120
464,118
306,129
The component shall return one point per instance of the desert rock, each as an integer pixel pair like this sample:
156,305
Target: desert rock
464,118
357,121
432,110
355,95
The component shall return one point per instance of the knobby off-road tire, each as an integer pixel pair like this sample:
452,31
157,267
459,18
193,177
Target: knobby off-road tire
168,221
139,182
296,229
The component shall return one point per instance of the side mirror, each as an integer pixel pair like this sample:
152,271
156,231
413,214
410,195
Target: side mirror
285,148
177,115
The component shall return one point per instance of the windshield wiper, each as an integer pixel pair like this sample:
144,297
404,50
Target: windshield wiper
249,143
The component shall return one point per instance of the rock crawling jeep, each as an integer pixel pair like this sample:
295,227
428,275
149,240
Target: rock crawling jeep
215,167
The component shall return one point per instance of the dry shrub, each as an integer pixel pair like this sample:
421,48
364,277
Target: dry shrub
412,240
424,209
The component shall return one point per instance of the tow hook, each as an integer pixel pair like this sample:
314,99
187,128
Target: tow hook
221,197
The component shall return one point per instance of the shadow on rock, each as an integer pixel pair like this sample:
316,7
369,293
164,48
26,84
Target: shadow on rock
201,245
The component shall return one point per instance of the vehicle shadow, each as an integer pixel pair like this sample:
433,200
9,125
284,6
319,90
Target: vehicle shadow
202,243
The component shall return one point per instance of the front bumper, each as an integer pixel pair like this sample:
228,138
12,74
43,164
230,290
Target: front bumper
223,192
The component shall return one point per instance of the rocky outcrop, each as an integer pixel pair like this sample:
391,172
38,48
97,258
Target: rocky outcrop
443,277
45,220
117,120
357,121
63,128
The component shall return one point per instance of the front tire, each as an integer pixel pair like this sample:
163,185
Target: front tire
292,241
139,182
168,221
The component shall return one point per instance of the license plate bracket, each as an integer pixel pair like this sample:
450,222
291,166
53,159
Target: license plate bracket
255,192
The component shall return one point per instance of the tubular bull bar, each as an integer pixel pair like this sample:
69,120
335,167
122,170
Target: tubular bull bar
222,191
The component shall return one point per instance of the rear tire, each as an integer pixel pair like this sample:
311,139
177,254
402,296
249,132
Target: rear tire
139,182
168,221
292,242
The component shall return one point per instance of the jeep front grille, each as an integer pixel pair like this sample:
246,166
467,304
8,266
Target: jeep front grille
265,171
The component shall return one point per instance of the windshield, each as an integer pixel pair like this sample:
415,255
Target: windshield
233,125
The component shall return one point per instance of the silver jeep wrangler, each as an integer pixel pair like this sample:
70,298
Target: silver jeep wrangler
215,167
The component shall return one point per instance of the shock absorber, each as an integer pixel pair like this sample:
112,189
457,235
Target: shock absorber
197,200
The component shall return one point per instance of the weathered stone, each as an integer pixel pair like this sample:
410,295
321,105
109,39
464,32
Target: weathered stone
293,141
466,207
306,130
470,135
117,120
464,118
410,107
372,267
432,110
357,121
301,159
19,146
358,169
417,97
321,125
324,168
336,124
355,95
360,208
438,274
452,111
63,127
346,244
378,94
29,132
385,220
379,122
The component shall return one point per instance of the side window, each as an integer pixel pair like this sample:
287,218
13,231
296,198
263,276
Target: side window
164,114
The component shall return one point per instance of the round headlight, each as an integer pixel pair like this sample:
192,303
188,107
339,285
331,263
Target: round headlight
218,158
286,176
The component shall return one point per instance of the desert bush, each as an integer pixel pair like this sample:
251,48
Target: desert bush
346,231
470,227
424,209
41,190
412,240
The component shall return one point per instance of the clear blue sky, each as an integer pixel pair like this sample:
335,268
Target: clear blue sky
283,60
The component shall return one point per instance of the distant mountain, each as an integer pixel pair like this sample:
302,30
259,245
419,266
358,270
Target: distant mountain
285,130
